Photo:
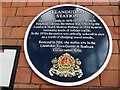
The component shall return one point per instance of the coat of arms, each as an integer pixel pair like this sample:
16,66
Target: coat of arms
66,66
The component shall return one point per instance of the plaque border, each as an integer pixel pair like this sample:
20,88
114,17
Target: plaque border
77,82
11,84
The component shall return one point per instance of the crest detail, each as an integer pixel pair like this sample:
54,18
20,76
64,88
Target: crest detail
66,66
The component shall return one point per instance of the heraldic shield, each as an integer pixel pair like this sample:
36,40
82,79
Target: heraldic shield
66,66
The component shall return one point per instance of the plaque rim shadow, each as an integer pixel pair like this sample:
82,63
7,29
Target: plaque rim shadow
14,69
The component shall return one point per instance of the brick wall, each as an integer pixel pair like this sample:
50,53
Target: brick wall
16,16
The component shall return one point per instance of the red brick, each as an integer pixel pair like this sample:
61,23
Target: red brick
115,32
14,21
115,47
27,20
119,46
26,86
4,21
18,32
84,2
23,75
8,12
0,32
108,20
105,10
67,1
50,2
114,2
22,60
6,4
53,87
114,62
8,42
36,3
101,2
103,88
5,32
37,80
116,19
109,78
18,4
26,11
1,21
21,43
94,82
7,1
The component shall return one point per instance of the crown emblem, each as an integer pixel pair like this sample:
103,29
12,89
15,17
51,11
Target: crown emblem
66,66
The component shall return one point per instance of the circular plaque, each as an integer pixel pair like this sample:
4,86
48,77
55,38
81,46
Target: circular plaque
68,45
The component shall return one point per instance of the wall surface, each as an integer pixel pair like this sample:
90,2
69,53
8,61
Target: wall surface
16,17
